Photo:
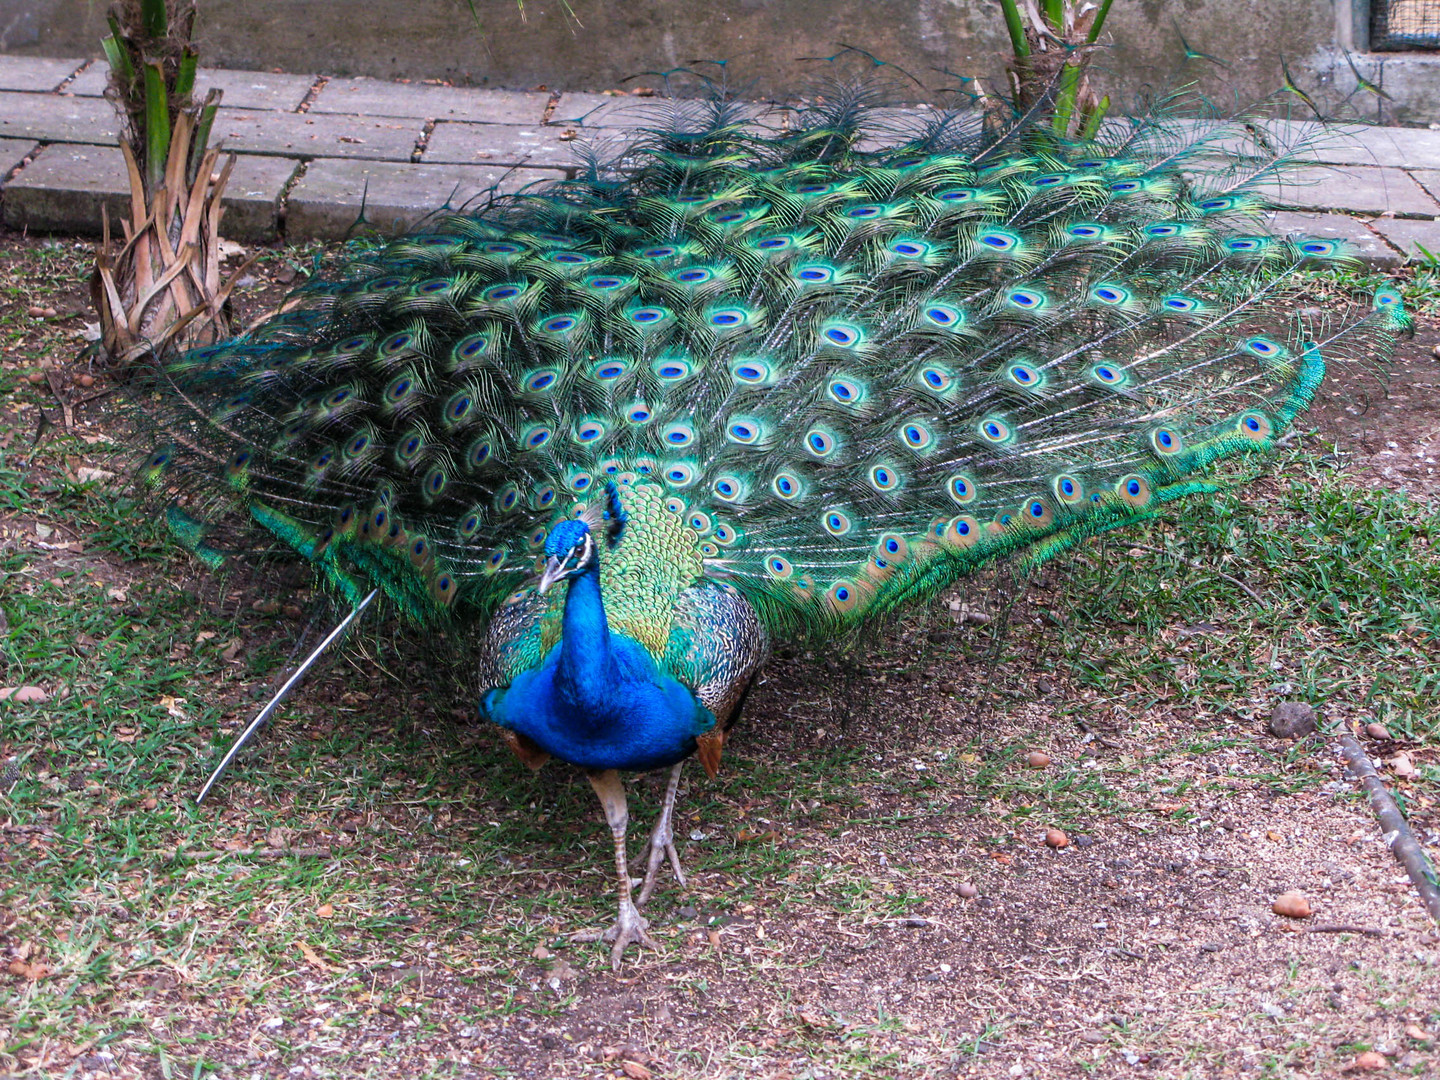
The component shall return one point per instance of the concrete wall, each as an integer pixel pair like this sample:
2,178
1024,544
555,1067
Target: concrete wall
439,39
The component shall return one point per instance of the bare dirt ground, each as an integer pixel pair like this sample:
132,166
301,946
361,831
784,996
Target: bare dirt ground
381,891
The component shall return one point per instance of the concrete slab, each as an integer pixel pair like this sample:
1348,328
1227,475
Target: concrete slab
376,97
1408,236
92,81
1366,245
63,189
1359,189
1429,179
57,119
35,72
506,144
252,197
1409,148
325,202
12,153
1355,144
250,131
1342,144
242,89
585,110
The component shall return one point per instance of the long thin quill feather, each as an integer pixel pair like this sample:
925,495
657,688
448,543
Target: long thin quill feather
274,702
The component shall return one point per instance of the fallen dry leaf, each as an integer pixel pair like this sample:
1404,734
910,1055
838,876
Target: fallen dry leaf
23,695
635,1070
313,958
116,594
1402,766
750,836
325,911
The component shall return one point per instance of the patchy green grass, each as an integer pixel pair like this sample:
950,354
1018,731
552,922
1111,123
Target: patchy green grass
1346,612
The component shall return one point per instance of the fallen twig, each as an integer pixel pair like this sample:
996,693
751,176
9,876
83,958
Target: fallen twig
1398,836
56,389
1344,928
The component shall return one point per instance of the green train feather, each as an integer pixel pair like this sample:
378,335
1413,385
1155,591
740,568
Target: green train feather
853,370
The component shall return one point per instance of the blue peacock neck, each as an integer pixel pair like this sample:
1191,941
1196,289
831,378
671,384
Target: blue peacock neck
586,674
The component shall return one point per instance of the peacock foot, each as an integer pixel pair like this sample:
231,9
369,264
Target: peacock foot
660,846
629,929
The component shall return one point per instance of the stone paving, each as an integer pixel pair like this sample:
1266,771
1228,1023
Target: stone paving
312,150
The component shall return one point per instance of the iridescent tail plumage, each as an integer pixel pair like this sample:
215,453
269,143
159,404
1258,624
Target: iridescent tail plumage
859,362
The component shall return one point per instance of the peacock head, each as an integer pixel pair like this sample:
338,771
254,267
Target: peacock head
569,552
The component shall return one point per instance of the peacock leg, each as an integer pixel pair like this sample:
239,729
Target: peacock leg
629,928
662,840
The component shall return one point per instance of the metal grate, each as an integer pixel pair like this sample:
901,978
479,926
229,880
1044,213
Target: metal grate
1404,24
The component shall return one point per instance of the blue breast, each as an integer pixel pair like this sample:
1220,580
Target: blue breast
640,719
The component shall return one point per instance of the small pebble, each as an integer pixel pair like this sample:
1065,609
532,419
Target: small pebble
1292,905
1292,720
1084,840
35,312
50,313
1370,1061
968,891
1436,352
1037,759
1056,839
86,381
1377,731
36,378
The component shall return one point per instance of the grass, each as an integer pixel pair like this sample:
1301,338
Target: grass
1348,615
375,840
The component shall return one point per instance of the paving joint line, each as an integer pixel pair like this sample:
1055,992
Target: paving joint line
282,201
1404,256
321,81
65,82
422,141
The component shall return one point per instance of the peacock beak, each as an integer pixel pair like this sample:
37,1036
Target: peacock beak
553,572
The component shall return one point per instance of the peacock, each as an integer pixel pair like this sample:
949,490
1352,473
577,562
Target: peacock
741,384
